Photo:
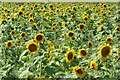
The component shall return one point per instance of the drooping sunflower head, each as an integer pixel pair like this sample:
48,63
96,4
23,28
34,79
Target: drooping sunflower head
70,54
83,53
13,32
109,39
104,51
9,44
32,47
70,34
39,37
93,65
23,34
81,26
79,71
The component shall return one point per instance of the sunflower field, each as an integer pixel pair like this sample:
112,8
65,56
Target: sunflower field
74,40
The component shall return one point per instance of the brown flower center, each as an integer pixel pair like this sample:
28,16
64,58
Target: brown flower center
109,39
20,13
71,34
70,55
39,37
9,43
79,71
81,26
13,32
83,53
90,45
105,51
118,29
32,47
23,35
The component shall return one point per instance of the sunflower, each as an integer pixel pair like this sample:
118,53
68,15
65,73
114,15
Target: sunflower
109,12
9,44
109,39
54,24
79,71
13,19
12,32
51,6
30,15
81,26
39,37
117,29
31,19
23,34
85,18
101,11
53,28
90,44
63,24
34,25
20,12
93,65
74,7
32,47
118,52
27,13
42,8
104,51
83,53
70,54
70,34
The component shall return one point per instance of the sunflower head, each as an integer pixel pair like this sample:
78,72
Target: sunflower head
23,34
30,15
32,47
70,54
79,71
117,29
53,28
93,65
20,12
81,26
39,37
83,53
54,24
13,32
31,19
90,44
9,44
104,51
70,34
109,39
51,6
85,18
110,12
